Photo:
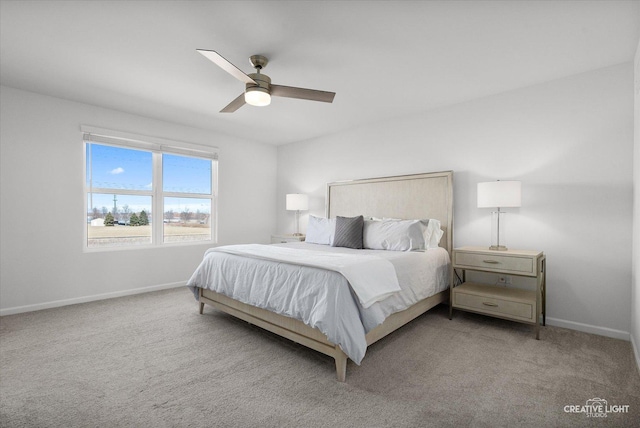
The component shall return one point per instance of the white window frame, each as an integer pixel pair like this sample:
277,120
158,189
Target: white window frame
157,146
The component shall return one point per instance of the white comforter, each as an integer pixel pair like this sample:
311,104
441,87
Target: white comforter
372,278
322,298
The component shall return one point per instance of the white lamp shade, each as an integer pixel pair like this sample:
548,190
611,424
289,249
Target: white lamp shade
257,96
499,194
297,202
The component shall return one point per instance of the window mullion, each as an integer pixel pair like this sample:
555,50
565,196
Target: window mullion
110,191
158,200
187,195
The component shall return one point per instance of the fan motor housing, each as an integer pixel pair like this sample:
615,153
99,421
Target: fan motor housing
263,81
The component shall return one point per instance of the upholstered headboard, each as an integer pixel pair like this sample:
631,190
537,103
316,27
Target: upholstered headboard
416,196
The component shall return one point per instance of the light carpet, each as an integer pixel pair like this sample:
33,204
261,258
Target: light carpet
152,360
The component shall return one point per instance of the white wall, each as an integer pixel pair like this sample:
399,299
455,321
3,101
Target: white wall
570,141
43,263
635,298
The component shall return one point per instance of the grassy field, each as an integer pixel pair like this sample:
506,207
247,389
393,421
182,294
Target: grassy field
99,236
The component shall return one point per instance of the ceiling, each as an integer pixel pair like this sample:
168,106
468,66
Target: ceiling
383,59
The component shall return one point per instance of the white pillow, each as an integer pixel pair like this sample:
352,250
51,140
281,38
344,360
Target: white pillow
431,229
394,235
433,233
320,230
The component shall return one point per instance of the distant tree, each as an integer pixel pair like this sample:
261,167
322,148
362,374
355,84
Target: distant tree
95,213
108,219
144,219
185,215
126,213
168,215
104,211
134,220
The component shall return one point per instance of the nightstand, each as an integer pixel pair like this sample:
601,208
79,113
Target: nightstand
281,239
509,303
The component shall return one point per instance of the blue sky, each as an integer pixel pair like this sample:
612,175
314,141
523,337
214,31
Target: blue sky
121,168
185,174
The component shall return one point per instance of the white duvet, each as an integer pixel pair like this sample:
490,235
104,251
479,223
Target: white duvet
372,278
319,297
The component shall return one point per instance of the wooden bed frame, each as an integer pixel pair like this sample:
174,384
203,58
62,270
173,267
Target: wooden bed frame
415,196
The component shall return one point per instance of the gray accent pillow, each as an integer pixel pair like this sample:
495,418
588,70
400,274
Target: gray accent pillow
348,232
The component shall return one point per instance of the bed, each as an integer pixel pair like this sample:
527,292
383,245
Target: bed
326,291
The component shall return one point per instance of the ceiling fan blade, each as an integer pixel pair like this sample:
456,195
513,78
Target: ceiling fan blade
302,93
234,105
221,62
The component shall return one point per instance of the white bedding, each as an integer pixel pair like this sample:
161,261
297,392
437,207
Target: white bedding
323,298
372,278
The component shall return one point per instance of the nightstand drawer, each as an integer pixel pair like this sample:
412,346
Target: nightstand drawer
496,262
514,304
488,305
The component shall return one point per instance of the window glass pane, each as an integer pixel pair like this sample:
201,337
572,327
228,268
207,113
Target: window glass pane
187,219
184,174
116,220
118,168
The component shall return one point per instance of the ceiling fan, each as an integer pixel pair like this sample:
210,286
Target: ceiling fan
259,90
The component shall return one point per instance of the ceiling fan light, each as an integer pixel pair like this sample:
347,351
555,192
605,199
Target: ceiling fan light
257,96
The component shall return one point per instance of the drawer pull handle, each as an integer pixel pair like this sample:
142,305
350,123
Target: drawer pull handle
493,262
489,304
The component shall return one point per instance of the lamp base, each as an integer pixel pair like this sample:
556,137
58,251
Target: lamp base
498,248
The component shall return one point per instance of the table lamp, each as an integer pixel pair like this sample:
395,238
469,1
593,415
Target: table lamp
297,202
499,194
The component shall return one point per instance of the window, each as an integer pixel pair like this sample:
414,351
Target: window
142,192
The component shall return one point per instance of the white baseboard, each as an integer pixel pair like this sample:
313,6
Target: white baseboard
587,328
85,299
